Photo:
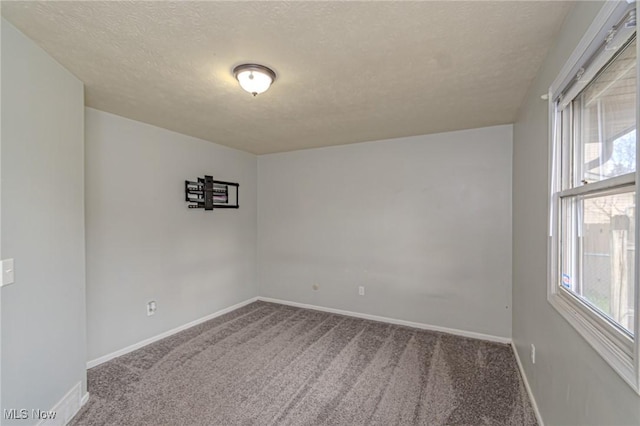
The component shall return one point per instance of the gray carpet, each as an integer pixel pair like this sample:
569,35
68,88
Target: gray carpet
268,364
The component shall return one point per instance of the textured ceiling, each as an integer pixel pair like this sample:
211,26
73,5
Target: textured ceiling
347,71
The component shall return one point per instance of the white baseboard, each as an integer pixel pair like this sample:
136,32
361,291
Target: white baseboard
421,326
65,409
527,386
160,336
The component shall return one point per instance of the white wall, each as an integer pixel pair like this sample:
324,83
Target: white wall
43,313
571,383
424,223
143,243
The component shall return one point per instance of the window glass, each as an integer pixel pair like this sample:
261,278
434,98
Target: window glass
606,120
605,240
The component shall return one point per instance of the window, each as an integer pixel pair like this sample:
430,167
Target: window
593,108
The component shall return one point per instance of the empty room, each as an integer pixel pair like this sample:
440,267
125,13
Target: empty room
319,213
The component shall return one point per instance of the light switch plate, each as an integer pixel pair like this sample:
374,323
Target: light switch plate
8,273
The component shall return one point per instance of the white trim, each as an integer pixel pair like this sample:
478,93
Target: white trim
621,37
600,341
534,405
594,320
636,283
463,333
585,46
85,399
66,408
131,348
145,342
623,181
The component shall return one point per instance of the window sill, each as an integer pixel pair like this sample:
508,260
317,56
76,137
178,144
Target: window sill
608,348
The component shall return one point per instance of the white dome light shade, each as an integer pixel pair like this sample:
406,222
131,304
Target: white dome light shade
254,78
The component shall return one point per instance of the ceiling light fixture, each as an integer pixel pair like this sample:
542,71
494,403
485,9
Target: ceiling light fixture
254,78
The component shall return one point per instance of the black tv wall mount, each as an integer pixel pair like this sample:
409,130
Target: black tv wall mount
207,193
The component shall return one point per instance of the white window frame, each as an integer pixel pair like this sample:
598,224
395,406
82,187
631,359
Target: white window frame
621,352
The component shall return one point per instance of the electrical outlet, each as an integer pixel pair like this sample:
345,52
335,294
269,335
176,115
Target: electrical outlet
361,290
533,353
151,308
